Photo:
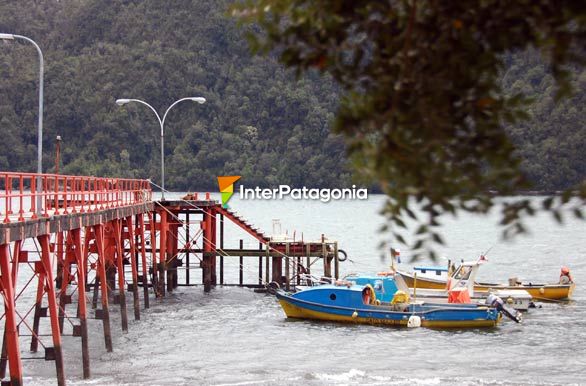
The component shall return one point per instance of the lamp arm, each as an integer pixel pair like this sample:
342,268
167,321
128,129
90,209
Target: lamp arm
170,107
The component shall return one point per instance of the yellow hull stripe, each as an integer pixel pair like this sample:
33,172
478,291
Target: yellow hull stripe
546,292
293,311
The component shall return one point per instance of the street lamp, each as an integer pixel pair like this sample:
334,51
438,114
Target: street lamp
40,129
122,102
57,154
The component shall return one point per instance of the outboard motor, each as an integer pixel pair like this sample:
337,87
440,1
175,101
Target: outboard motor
498,303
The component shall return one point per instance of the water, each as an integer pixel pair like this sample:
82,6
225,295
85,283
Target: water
236,337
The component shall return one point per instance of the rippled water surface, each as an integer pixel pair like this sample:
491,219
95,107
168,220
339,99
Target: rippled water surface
234,336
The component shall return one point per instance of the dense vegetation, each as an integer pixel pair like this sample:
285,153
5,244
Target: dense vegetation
259,121
551,142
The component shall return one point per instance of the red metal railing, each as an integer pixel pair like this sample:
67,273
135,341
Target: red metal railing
30,195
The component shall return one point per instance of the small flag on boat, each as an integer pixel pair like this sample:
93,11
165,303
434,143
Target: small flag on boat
396,254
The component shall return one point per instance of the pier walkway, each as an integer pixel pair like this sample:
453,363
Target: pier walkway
71,246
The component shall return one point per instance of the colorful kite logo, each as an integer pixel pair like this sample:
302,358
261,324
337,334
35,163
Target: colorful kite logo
226,184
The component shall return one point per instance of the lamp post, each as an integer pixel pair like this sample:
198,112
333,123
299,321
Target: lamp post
40,126
200,100
57,154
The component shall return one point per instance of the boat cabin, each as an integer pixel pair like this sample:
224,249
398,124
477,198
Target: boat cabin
438,273
384,287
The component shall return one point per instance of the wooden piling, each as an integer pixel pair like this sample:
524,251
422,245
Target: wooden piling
96,290
241,265
172,261
162,266
308,259
207,249
326,260
134,268
82,306
260,264
221,248
101,271
287,279
53,313
38,306
188,247
3,355
267,262
11,329
155,265
336,262
214,247
278,270
117,226
145,286
61,281
298,270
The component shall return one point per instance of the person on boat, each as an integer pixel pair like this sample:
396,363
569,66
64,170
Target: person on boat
565,276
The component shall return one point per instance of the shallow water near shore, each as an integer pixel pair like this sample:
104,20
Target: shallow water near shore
234,336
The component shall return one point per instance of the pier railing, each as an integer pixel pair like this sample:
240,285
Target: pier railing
29,195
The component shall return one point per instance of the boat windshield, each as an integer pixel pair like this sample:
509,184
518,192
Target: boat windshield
463,273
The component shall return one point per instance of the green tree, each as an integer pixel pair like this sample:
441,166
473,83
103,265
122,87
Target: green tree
423,111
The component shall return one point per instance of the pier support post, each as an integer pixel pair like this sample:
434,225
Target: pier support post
101,275
326,260
287,251
298,270
162,266
117,226
278,269
3,353
82,305
308,259
145,274
62,279
155,265
259,264
130,228
221,248
172,255
39,270
241,265
187,247
54,315
11,331
214,247
207,249
336,262
267,263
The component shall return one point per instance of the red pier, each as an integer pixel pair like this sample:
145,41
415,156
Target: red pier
72,247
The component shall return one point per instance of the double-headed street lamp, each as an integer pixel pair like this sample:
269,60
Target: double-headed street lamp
200,100
40,127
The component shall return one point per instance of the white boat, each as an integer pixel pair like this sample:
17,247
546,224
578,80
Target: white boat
460,287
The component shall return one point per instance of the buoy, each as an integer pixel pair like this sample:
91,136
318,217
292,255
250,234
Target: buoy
542,290
414,321
354,315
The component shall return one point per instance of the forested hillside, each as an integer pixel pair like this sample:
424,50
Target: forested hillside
552,142
259,121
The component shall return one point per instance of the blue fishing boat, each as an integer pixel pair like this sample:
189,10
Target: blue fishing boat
353,303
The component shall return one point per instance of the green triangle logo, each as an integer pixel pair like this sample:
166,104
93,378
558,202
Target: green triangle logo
225,198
